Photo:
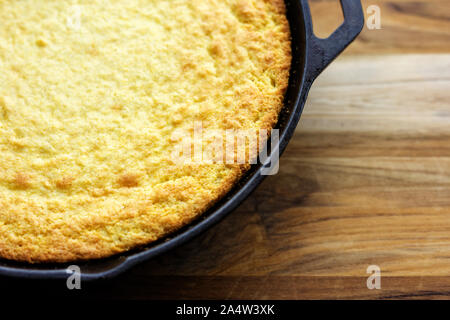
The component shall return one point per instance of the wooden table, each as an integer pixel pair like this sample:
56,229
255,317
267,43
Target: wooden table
364,181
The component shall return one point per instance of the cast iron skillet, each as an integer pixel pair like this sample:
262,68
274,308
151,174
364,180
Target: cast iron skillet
311,56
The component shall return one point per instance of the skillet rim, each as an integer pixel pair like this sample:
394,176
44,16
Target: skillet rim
310,57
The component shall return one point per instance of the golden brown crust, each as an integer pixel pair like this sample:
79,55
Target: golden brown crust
68,217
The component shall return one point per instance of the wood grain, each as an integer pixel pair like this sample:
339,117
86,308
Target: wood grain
365,180
407,26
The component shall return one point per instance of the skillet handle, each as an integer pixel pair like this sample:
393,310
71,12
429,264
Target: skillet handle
321,52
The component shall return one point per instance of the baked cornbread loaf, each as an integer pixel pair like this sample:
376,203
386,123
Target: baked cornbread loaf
90,95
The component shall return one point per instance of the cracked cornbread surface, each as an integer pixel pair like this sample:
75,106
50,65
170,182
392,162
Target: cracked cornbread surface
91,91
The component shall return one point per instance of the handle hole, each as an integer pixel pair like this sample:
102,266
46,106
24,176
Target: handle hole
327,16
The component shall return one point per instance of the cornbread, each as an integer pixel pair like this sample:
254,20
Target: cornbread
90,94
